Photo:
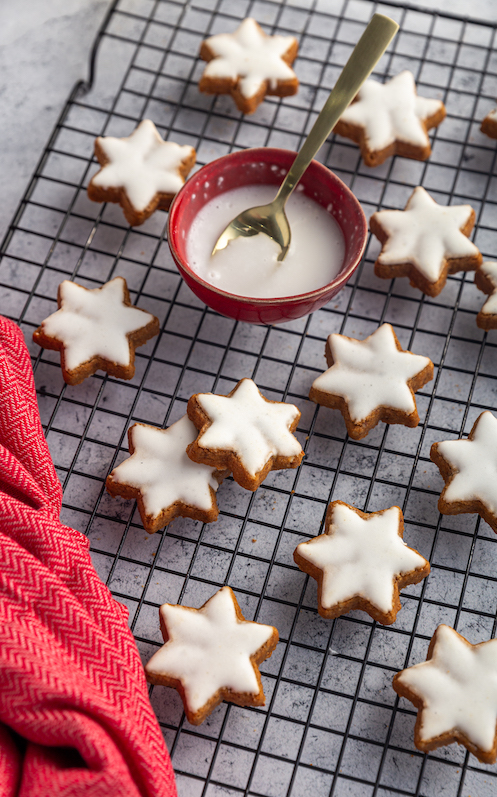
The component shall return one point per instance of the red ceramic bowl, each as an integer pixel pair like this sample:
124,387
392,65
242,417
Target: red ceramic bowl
267,166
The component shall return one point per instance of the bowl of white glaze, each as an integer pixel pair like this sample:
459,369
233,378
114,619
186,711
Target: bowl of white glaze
245,281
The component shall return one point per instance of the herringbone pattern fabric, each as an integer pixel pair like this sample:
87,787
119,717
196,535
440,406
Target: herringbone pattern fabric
75,717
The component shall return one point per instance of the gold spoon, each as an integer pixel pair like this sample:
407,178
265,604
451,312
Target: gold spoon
271,219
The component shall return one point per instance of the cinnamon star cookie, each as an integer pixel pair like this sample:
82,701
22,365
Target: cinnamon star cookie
425,242
371,380
455,690
96,328
361,562
211,654
244,432
141,172
469,469
163,480
249,64
391,119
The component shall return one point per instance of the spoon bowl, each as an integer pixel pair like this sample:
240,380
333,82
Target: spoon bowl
253,221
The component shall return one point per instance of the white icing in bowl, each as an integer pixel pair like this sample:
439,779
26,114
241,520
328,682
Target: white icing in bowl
249,266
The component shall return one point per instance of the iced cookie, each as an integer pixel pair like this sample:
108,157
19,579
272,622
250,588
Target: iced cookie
469,469
371,380
244,432
425,242
391,119
455,690
486,281
361,562
141,172
163,480
249,64
96,328
211,654
489,124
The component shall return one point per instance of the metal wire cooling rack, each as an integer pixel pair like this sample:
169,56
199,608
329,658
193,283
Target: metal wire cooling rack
332,724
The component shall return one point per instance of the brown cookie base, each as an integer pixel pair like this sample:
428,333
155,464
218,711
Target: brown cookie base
426,746
358,430
152,523
459,507
225,459
484,284
77,375
418,280
240,698
373,157
489,127
358,602
134,217
247,105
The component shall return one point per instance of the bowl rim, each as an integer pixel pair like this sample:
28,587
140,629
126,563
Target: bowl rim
341,278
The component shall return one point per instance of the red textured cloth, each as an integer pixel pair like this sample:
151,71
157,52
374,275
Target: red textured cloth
75,718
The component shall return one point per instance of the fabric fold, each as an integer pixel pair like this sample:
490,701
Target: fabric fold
75,717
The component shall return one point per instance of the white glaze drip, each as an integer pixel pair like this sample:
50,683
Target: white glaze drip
209,649
94,323
250,54
143,164
371,373
248,425
425,234
162,471
490,270
361,557
392,112
458,686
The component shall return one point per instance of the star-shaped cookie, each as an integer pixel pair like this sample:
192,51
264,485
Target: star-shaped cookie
163,480
489,124
455,690
425,242
389,119
371,380
244,432
361,562
248,64
469,469
486,281
141,172
211,654
96,328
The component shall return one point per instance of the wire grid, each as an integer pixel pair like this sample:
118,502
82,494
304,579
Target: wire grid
332,724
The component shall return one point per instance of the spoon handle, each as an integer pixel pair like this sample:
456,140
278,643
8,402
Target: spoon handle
368,51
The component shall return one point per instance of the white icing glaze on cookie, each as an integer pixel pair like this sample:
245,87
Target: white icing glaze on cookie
162,471
143,164
250,54
94,323
361,557
489,269
209,649
371,373
392,112
250,426
475,463
458,686
425,234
